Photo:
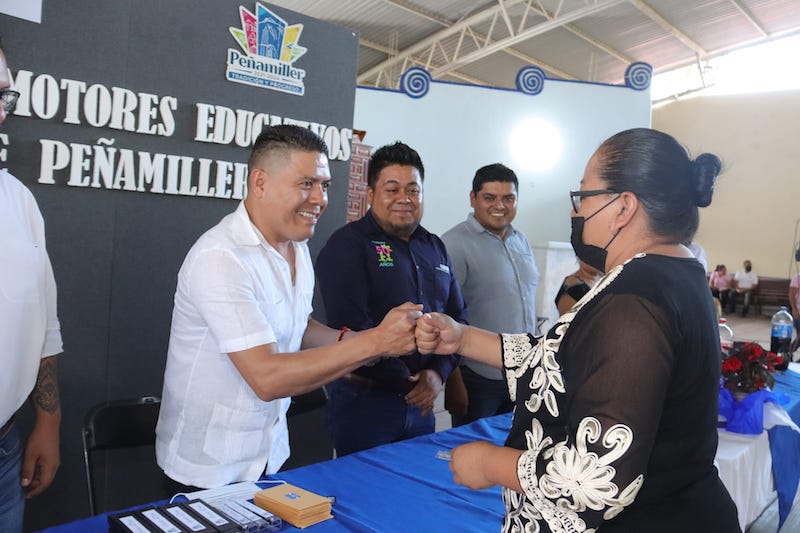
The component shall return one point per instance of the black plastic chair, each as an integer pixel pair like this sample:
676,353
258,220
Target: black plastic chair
309,401
309,439
115,425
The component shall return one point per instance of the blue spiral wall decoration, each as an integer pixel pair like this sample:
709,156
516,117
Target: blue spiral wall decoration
530,80
638,76
415,82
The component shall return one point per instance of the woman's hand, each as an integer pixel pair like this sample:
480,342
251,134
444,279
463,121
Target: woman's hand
466,463
438,333
481,464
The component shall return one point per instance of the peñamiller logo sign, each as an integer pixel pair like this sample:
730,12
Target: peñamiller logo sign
269,49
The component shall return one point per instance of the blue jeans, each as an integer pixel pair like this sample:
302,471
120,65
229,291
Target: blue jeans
361,417
746,296
486,397
12,499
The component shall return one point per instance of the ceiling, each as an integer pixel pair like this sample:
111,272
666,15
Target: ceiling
488,42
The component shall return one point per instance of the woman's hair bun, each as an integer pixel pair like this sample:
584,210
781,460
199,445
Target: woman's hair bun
705,169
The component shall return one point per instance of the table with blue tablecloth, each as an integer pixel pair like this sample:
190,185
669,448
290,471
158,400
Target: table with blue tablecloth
745,468
404,486
399,487
755,464
784,442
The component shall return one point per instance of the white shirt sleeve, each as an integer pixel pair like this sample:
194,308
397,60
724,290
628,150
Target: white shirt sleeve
52,340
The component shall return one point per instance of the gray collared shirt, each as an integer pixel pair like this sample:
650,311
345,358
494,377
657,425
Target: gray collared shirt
498,279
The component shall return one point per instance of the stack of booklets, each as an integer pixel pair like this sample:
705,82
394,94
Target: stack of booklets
297,506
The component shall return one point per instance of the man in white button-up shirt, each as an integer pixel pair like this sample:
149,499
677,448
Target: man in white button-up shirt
745,283
30,335
242,341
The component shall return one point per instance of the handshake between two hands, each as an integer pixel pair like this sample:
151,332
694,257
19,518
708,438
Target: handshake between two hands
406,329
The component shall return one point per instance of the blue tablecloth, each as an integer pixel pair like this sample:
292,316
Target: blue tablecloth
399,487
784,444
404,487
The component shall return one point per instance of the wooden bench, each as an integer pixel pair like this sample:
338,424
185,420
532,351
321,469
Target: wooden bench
771,292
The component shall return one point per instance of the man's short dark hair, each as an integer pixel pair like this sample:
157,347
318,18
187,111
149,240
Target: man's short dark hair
285,138
494,172
393,154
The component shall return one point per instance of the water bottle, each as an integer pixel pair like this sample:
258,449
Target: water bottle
725,336
781,336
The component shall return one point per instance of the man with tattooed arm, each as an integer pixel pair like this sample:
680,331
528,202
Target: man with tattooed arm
30,337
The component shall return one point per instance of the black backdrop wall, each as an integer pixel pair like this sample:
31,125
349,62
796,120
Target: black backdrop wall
116,252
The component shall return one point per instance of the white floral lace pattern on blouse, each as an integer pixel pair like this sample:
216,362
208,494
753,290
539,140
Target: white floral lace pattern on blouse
576,479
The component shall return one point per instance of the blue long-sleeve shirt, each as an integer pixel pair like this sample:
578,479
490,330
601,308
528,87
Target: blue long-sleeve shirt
363,273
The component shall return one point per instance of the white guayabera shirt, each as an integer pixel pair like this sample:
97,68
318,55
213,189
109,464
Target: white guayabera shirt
29,327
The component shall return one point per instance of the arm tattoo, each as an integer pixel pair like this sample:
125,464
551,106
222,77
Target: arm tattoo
45,392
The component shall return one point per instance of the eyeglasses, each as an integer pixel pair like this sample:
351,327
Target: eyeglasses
8,99
578,196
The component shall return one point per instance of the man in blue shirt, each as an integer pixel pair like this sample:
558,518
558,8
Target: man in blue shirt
497,274
368,267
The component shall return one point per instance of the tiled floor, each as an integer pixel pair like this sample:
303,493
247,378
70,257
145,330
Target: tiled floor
750,328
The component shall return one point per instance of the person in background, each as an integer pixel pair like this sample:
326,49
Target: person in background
699,253
720,283
30,339
615,426
242,340
575,286
745,283
367,267
495,268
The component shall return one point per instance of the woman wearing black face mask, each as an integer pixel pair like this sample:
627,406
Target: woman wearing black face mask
616,407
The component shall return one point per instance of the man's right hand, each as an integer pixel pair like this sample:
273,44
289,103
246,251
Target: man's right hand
396,331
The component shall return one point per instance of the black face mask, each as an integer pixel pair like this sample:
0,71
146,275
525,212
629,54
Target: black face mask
748,268
588,253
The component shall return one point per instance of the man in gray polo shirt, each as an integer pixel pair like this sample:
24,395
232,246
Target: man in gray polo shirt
494,265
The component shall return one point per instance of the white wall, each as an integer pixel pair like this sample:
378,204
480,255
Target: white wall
756,204
459,128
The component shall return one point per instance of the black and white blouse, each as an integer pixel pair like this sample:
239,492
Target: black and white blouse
616,408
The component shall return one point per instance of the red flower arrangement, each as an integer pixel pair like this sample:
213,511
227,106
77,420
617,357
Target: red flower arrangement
748,367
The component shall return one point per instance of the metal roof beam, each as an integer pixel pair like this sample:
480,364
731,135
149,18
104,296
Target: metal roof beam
597,44
664,23
364,77
533,61
750,18
586,37
418,12
476,18
506,18
387,50
726,49
533,31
